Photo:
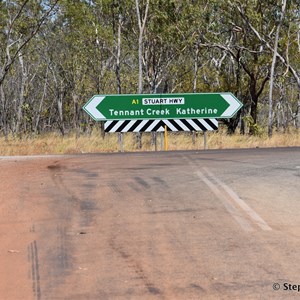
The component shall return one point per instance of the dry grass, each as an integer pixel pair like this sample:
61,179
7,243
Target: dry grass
55,144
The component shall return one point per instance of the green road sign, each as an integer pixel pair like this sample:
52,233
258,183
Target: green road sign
162,106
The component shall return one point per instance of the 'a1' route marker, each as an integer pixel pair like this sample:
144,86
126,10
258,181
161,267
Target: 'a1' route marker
162,106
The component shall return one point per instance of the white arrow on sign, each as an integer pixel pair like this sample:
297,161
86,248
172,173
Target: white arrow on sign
234,105
91,109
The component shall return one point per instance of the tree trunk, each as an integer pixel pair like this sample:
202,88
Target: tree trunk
254,102
196,57
233,123
21,95
3,113
38,114
253,114
60,114
298,114
270,121
118,52
76,113
142,25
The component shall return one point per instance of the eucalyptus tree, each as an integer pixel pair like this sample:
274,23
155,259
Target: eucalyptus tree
20,23
286,48
163,43
142,8
276,40
80,57
229,32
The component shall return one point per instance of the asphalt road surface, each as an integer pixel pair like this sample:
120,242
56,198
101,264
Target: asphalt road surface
166,225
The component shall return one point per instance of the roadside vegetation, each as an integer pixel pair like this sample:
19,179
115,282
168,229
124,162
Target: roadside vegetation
54,143
55,55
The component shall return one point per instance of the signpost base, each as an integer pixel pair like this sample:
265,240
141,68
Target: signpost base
120,140
204,140
166,138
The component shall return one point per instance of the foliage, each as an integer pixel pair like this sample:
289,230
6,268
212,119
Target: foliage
55,55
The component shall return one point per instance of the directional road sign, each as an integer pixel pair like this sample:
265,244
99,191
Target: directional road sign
162,106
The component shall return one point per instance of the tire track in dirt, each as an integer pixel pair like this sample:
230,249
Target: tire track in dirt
33,258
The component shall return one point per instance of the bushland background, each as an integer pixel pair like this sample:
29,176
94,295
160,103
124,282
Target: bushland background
55,55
